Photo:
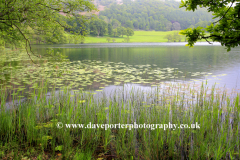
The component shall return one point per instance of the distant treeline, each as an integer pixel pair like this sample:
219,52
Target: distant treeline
98,27
119,20
153,15
76,28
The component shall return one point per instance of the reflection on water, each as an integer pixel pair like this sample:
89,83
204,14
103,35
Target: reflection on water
107,67
202,58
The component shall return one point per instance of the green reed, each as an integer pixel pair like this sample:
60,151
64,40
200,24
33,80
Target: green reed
29,127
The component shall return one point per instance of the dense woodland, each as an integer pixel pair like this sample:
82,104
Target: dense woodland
140,15
153,15
117,20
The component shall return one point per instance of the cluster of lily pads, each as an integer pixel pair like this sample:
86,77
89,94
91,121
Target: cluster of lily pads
87,74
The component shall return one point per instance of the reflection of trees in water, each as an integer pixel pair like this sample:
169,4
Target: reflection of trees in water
186,60
195,59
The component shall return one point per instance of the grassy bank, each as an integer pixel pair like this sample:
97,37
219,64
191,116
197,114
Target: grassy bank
139,36
31,129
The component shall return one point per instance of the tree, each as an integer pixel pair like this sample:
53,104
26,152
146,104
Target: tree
108,39
176,26
176,37
115,32
104,18
224,30
135,24
17,16
129,24
121,31
202,24
192,26
169,37
78,27
152,23
129,32
168,26
56,36
160,27
98,27
115,23
110,29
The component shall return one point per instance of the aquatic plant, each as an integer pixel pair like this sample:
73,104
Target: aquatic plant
38,102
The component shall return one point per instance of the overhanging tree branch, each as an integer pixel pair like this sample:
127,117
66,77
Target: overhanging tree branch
226,32
27,42
224,14
18,15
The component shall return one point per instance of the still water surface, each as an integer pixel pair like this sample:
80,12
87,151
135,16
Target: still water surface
223,67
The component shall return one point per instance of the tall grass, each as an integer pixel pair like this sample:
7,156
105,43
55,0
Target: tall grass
29,129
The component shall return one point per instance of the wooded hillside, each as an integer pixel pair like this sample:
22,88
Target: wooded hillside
153,15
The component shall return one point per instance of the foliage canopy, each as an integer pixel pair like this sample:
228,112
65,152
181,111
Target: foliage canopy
18,18
224,30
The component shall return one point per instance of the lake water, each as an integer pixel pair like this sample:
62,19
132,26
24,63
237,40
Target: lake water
221,67
105,68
